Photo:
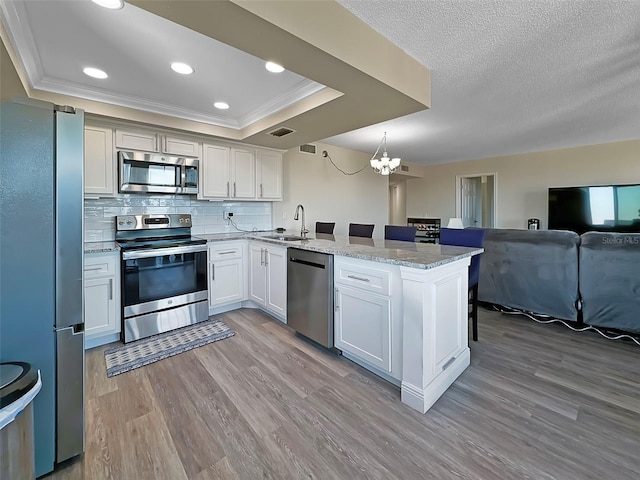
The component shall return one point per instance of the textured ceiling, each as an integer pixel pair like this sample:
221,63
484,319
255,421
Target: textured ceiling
510,76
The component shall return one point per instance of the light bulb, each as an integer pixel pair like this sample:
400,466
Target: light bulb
274,67
182,68
95,73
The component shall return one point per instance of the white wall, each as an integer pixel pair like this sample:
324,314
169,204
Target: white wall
522,180
329,196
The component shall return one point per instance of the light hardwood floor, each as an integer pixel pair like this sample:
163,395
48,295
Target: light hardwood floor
537,402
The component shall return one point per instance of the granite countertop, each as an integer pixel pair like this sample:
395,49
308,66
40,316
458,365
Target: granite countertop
408,254
415,255
219,237
100,247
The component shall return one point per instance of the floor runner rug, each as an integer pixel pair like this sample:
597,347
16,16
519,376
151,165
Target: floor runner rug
148,350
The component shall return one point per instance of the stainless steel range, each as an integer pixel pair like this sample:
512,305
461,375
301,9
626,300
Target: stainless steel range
164,274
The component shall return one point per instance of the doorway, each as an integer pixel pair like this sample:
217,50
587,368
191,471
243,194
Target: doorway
398,202
476,200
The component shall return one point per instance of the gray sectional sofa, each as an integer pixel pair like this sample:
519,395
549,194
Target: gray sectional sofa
593,278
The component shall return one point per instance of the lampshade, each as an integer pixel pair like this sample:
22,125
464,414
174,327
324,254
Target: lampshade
455,222
384,165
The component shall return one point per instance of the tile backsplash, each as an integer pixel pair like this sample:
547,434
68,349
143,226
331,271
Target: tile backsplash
207,217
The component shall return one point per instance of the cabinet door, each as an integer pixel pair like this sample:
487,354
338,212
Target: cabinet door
363,326
243,173
214,172
180,146
276,299
99,162
257,274
269,175
226,282
100,307
146,141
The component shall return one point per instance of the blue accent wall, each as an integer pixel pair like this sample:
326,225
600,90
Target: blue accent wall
27,259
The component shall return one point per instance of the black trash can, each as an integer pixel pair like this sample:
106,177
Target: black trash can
19,384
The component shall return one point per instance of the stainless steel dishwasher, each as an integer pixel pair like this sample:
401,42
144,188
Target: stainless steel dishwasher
310,295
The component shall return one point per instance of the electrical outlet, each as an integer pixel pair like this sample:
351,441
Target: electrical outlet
230,214
227,215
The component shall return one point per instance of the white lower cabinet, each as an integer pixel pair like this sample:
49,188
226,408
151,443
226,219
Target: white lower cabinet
268,278
227,277
101,298
368,314
363,325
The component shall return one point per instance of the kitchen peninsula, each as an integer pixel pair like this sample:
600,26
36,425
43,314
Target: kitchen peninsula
407,304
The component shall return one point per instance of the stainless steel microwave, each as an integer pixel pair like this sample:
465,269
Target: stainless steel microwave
155,173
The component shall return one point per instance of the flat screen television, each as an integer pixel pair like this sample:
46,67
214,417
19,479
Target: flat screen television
597,208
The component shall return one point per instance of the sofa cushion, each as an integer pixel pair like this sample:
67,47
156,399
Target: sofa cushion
610,280
531,270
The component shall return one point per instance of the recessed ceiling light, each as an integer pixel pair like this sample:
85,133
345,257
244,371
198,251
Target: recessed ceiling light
111,4
274,67
182,68
95,72
221,105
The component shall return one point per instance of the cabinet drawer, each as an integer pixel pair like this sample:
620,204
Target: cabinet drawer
225,251
366,278
101,264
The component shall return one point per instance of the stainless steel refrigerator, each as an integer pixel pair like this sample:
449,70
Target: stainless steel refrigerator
41,266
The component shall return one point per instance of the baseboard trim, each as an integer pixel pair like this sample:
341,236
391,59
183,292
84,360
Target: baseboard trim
422,399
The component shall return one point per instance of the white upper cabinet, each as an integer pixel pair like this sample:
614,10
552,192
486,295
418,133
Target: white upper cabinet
137,140
227,173
269,175
155,142
215,172
99,162
180,146
243,173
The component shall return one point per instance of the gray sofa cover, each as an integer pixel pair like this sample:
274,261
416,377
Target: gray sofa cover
610,280
531,270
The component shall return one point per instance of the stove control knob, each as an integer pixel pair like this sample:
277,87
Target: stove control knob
129,222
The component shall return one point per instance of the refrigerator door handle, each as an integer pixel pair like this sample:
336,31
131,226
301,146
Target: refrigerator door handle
70,439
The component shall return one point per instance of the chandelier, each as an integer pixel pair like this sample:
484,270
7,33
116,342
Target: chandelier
384,165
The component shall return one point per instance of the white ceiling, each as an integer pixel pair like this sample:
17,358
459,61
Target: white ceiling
510,76
56,39
507,76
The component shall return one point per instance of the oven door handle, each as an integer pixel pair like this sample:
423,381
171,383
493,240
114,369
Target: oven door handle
161,252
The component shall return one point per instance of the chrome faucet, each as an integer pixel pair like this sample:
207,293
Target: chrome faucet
303,230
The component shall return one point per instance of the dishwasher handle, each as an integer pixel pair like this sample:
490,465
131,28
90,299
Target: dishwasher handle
307,262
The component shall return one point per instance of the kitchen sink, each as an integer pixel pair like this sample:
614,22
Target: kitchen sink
286,238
